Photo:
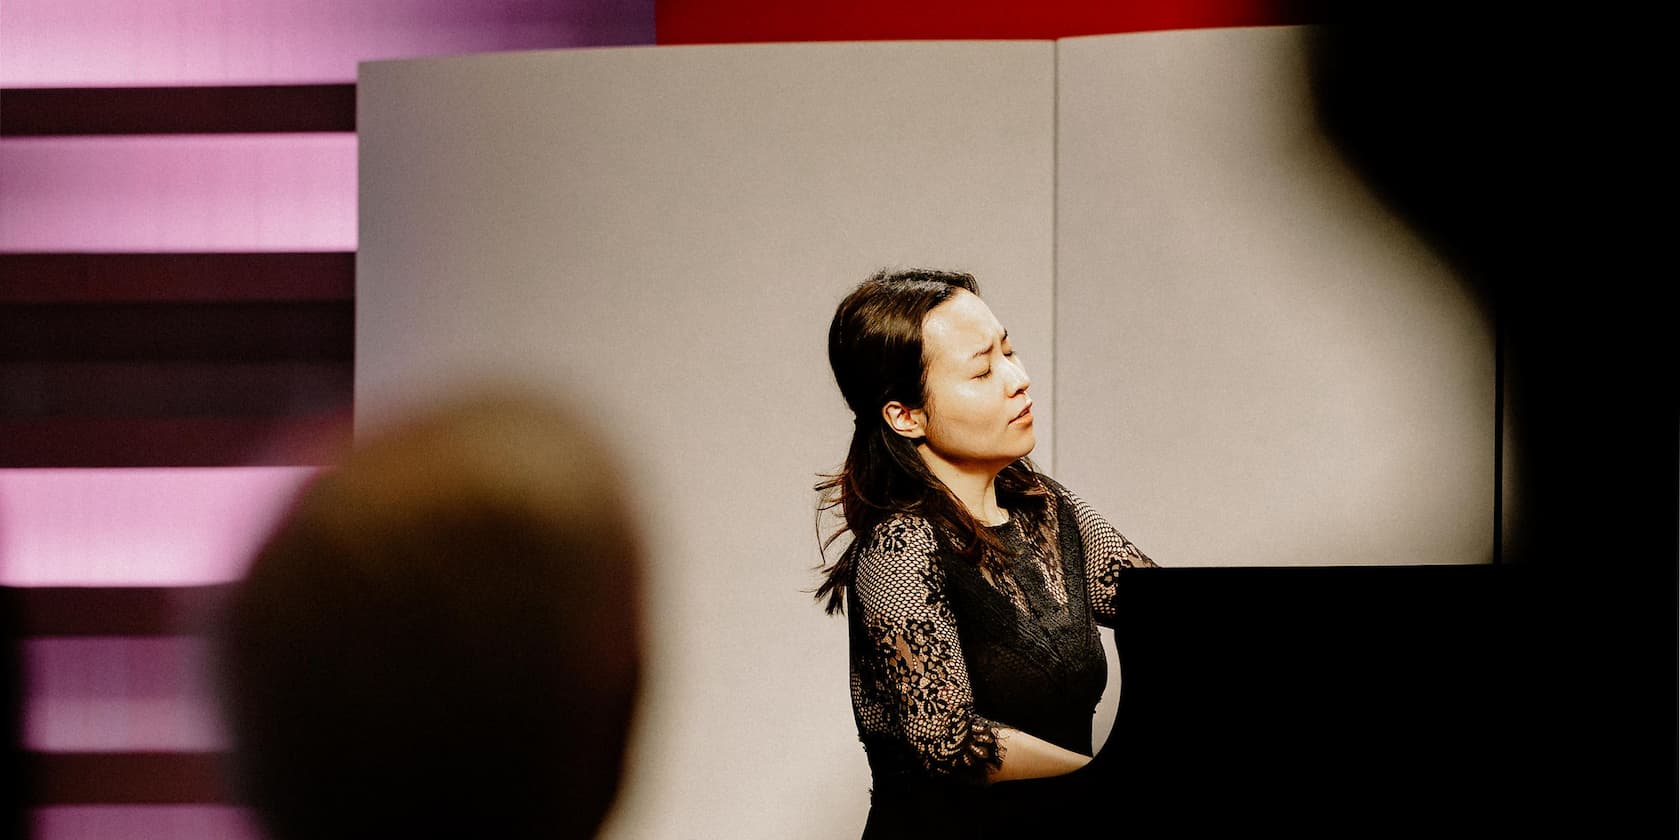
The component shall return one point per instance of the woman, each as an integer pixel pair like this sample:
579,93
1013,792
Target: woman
973,584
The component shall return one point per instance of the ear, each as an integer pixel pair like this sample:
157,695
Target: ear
908,422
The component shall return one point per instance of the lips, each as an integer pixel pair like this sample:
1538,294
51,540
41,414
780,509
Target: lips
1024,412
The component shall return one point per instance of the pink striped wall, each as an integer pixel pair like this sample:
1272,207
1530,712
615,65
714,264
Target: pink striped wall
112,43
187,193
190,194
143,822
136,527
119,694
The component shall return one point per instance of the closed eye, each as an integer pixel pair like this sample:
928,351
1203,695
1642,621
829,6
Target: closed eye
1007,354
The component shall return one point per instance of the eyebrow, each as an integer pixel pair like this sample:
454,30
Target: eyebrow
988,348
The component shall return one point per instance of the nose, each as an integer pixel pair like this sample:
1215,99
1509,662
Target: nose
1022,381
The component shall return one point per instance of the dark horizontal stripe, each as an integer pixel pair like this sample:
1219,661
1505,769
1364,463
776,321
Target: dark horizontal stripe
115,610
246,332
177,278
138,778
39,390
177,110
312,440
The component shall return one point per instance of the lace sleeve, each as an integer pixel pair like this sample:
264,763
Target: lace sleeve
913,680
1107,551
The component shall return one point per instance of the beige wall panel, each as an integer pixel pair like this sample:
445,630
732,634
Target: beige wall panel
661,234
1257,364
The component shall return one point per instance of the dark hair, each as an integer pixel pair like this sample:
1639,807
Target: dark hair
442,637
875,349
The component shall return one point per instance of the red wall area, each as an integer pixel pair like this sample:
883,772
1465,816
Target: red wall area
737,21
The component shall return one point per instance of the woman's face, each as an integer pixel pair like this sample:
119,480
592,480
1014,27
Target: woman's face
978,415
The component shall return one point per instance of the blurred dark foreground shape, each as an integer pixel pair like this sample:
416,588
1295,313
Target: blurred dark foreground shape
1532,148
1532,696
443,636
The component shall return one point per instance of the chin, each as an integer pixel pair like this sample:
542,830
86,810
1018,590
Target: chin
1032,443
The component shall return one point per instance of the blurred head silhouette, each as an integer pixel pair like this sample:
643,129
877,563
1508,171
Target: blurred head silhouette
442,637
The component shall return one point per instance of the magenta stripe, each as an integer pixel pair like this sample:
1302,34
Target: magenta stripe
137,527
118,694
271,192
143,822
90,43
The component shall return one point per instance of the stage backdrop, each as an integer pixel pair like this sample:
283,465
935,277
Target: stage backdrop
662,236
1257,364
1260,357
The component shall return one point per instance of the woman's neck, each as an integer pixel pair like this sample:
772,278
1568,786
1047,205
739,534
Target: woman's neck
975,488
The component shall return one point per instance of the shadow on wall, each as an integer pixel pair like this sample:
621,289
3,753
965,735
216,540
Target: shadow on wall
1517,146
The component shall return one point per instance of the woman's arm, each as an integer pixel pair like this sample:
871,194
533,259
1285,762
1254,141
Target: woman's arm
1107,551
913,669
1028,757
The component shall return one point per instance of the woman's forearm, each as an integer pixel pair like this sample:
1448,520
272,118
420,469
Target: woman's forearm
1029,757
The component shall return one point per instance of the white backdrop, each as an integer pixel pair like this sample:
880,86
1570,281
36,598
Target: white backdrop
1244,359
662,234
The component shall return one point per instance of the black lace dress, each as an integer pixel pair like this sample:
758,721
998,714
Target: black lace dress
944,653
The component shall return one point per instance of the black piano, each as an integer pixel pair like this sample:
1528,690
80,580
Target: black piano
1355,701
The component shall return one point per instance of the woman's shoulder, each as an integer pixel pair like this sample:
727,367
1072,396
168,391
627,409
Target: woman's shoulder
901,544
896,565
899,533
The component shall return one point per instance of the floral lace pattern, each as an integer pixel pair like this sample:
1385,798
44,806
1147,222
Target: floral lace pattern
912,696
1107,551
910,685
